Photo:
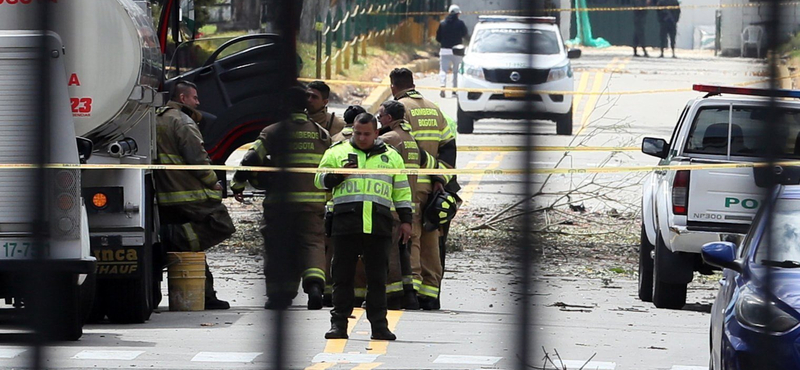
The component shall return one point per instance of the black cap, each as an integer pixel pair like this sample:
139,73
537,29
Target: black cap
351,113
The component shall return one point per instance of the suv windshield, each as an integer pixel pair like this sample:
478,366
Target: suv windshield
712,134
785,233
515,41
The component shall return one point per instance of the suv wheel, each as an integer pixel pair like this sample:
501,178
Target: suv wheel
465,122
645,268
564,123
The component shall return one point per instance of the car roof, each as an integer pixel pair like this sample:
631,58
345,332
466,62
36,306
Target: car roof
516,25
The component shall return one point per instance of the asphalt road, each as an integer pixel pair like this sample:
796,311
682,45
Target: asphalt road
582,319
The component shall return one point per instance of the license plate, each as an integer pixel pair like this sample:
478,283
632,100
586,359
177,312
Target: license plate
18,249
515,91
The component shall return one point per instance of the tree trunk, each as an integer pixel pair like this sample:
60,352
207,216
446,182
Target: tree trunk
246,14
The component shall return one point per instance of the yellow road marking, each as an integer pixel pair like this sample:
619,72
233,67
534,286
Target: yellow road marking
576,101
321,365
378,347
368,366
475,180
466,191
337,345
597,86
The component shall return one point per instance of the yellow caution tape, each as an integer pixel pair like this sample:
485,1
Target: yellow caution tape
519,89
472,148
600,9
584,170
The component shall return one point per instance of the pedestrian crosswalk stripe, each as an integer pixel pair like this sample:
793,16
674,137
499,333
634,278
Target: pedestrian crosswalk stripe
107,355
225,356
11,352
682,367
579,364
472,360
353,358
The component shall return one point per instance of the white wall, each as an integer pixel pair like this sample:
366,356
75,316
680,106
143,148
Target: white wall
703,16
735,19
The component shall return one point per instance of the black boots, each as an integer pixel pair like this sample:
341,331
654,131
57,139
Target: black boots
217,304
278,302
314,297
337,332
380,334
327,300
428,303
410,301
214,303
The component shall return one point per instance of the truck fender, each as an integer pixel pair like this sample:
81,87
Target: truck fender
648,209
663,214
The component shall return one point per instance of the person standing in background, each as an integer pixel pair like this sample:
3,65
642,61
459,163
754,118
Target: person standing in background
668,19
639,21
451,32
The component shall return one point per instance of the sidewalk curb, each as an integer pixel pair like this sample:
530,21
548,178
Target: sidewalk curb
380,94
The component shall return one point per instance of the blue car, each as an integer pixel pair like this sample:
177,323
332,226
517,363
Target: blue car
756,325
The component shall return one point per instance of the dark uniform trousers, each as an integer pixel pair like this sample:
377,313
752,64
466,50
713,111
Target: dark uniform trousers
196,227
294,243
374,250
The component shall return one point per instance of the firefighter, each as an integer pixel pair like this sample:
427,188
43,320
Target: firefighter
429,128
349,116
191,212
318,93
362,221
294,242
396,132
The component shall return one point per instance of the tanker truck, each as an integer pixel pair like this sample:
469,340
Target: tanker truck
108,66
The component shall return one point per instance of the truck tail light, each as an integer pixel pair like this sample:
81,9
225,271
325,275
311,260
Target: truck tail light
65,211
680,192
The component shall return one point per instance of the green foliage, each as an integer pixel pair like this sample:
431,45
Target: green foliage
619,270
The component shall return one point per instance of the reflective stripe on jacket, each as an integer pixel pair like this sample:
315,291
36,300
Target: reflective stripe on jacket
362,202
296,142
179,142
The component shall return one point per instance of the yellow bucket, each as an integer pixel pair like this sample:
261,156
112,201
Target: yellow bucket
187,281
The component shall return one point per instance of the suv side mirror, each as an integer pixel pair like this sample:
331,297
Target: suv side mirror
85,148
655,147
573,53
721,254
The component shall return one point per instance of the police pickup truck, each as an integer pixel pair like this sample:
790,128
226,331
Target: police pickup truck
684,209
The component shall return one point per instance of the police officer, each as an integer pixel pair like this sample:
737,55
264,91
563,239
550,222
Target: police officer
191,212
295,142
362,221
347,132
429,128
639,18
317,106
396,131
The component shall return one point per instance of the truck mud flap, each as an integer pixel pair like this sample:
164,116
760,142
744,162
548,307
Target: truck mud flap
115,261
680,265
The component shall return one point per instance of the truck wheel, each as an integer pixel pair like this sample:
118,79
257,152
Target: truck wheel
128,300
465,122
666,295
564,124
92,304
645,268
67,320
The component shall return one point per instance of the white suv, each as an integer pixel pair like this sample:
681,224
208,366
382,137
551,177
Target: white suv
513,54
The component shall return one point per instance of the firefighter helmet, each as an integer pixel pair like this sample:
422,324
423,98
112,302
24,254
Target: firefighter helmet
441,208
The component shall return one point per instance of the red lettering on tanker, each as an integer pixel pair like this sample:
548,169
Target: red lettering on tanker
73,79
81,107
23,2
